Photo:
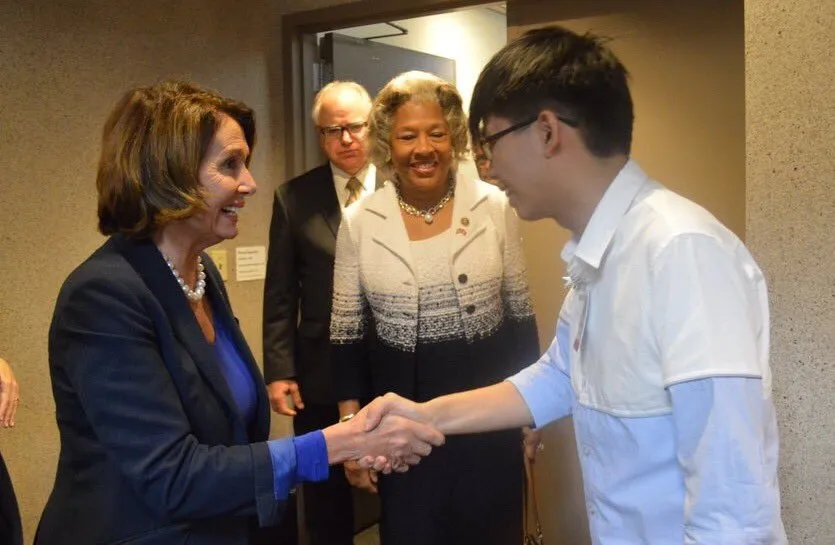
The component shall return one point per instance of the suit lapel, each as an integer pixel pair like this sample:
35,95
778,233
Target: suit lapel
147,261
329,203
468,220
392,234
379,178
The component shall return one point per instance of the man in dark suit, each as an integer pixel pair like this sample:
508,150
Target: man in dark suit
307,211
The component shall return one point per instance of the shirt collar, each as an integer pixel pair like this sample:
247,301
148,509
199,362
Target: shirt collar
616,202
340,174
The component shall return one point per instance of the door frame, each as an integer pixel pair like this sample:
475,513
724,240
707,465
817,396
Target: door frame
293,28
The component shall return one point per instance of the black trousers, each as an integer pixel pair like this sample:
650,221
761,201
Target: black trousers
328,505
10,527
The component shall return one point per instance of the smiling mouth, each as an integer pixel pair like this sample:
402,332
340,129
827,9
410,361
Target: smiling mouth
231,210
424,168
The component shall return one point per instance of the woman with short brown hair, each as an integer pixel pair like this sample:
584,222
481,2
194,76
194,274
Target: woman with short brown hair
161,408
152,146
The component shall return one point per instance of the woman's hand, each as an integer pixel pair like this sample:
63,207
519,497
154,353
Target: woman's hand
386,411
392,443
364,479
532,441
9,395
402,441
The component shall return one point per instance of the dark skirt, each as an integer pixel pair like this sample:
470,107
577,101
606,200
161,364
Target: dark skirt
468,491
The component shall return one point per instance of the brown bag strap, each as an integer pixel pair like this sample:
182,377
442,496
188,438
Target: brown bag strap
531,507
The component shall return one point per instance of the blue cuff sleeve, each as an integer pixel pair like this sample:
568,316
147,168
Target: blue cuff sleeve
726,434
283,454
298,459
312,457
545,386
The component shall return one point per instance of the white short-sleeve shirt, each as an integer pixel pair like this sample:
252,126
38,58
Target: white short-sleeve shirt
679,298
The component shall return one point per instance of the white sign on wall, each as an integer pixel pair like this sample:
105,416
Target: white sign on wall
250,263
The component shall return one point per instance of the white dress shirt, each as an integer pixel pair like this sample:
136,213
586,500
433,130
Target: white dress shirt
367,175
662,356
662,293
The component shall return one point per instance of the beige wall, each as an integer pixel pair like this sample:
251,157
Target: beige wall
791,213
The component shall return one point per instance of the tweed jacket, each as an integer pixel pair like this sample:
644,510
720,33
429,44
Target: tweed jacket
375,286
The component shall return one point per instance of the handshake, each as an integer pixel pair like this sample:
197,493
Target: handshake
389,434
393,433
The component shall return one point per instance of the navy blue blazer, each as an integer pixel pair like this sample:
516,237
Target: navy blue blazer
153,450
299,284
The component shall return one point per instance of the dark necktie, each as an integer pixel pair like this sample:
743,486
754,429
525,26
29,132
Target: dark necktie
354,187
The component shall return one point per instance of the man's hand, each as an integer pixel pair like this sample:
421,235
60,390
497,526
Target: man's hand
278,392
532,440
359,477
9,395
393,442
393,404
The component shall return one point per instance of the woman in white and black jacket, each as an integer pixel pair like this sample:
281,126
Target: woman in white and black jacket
431,265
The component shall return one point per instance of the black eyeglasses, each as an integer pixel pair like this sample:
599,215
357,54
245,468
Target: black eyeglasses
334,132
487,142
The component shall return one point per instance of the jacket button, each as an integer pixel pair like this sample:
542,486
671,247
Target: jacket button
462,278
470,309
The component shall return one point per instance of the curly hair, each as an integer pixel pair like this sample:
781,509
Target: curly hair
152,145
415,86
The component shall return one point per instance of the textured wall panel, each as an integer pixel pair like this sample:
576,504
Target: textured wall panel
790,182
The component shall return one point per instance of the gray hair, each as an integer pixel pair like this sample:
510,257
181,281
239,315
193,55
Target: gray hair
332,88
415,86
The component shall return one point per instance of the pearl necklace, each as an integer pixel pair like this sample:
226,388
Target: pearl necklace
428,214
196,294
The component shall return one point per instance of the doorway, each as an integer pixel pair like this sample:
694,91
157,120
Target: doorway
453,45
687,63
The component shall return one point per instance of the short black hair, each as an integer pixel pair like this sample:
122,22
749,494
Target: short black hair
574,75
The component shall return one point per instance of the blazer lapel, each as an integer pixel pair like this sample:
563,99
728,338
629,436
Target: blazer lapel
147,261
379,178
392,234
468,222
329,202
